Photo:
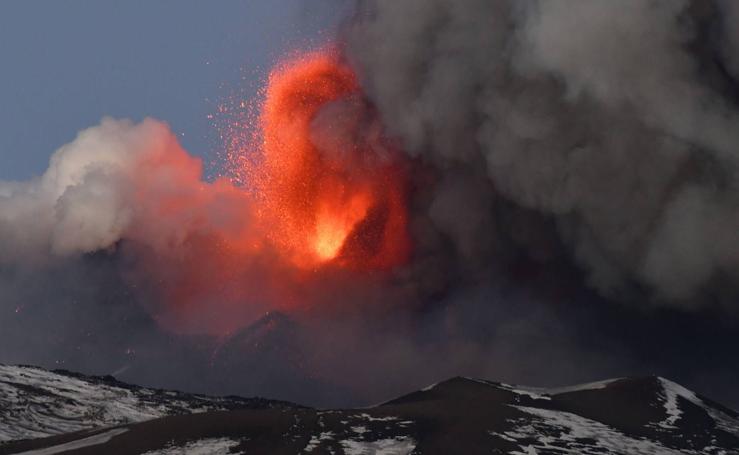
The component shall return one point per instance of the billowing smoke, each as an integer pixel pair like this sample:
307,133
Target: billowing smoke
458,187
616,119
110,182
77,206
131,186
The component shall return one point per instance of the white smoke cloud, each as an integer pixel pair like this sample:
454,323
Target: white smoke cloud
77,205
105,185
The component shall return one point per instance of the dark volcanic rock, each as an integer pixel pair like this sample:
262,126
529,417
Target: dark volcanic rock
269,355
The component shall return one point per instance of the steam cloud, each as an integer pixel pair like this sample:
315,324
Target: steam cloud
539,134
101,188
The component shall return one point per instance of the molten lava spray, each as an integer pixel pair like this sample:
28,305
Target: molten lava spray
328,189
320,189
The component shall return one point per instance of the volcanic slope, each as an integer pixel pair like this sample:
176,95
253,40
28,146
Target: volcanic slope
647,416
35,403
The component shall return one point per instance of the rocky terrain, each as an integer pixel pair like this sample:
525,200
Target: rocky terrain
35,403
650,416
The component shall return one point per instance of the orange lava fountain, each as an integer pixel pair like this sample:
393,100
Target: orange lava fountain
314,187
328,189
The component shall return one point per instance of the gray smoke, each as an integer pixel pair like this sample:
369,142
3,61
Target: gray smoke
616,119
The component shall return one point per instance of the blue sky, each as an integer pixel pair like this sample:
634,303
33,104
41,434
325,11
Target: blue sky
66,64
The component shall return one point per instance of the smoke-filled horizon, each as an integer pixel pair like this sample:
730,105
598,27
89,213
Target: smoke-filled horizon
528,191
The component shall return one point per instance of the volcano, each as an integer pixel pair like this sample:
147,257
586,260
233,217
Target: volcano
644,415
541,192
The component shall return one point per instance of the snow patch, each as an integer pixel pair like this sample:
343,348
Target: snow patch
673,390
396,446
563,432
361,429
377,419
315,441
100,438
542,393
210,446
531,392
429,387
597,385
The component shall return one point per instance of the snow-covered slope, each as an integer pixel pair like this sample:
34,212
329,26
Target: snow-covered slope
620,416
35,403
628,416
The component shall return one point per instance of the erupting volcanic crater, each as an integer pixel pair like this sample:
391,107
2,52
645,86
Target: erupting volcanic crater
313,185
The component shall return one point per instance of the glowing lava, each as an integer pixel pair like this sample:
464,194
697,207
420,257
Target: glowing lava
329,188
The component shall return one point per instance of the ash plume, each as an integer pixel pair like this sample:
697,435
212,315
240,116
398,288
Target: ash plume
615,119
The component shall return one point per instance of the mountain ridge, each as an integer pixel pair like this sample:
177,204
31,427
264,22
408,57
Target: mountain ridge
643,415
